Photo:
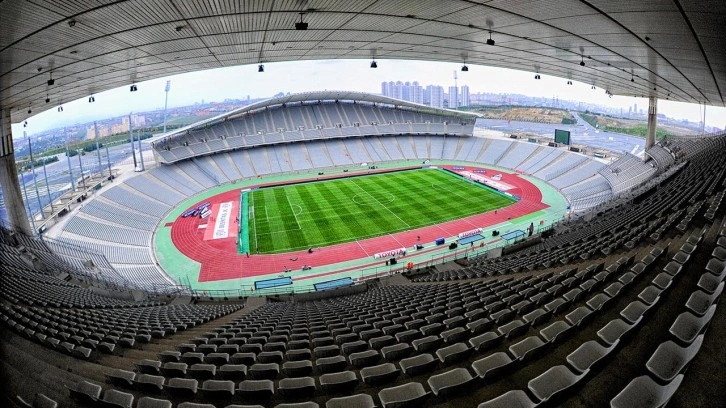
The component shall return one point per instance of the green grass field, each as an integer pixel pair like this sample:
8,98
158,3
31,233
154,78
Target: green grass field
294,217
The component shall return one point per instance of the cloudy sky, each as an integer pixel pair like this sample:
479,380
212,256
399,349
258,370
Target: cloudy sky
299,76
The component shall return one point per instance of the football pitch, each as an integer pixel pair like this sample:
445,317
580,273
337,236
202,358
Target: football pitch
316,214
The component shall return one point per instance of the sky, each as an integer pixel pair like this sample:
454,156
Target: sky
356,75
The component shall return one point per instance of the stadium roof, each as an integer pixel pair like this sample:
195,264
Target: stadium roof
315,96
663,48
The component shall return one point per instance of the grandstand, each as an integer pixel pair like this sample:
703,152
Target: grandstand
618,305
122,220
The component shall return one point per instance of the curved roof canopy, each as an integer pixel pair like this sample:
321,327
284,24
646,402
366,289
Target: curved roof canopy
663,48
315,96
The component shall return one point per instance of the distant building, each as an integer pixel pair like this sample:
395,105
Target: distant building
453,97
464,98
436,95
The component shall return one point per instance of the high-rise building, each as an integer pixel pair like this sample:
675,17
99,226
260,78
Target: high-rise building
416,93
436,95
406,91
398,90
384,89
453,97
464,98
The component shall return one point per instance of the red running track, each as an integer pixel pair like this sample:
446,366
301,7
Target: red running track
220,261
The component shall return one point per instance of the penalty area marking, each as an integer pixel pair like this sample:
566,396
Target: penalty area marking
297,221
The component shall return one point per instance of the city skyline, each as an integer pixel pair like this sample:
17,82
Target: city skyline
242,82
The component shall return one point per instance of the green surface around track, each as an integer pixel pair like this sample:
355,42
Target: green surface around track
323,213
185,270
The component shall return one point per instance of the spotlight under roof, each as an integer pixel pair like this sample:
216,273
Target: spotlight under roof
260,68
464,68
374,64
133,88
489,40
301,25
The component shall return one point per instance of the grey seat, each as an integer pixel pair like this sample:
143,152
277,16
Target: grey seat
232,372
182,387
379,342
86,392
687,326
556,331
480,325
217,389
579,316
453,353
344,381
427,344
301,368
149,383
396,351
588,355
148,366
116,399
364,358
670,359
296,387
598,301
188,404
120,377
451,382
491,366
267,357
650,295
709,283
148,402
261,371
510,399
172,369
615,330
634,311
406,395
513,329
243,358
357,401
331,364
644,392
422,363
39,401
192,358
699,301
217,359
256,389
527,349
298,354
554,382
379,374
202,371
454,335
306,404
168,356
538,316
486,341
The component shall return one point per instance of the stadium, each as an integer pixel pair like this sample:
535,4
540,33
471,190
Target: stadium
341,248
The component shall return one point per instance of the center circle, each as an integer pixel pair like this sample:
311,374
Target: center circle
377,198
